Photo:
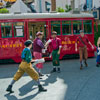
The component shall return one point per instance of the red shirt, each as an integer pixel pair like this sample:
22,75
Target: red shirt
84,39
55,43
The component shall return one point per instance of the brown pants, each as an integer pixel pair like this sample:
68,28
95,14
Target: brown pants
83,53
26,67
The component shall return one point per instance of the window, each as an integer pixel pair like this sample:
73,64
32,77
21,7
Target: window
6,30
18,29
77,26
66,27
55,26
87,27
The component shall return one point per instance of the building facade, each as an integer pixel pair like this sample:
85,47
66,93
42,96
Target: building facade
89,4
44,6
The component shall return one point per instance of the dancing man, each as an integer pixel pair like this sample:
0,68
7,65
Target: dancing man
26,66
56,46
82,42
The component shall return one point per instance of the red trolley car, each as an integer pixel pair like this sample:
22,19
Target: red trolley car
16,28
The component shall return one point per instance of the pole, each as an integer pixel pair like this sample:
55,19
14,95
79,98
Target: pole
53,5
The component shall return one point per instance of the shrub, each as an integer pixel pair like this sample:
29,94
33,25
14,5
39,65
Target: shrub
4,10
59,9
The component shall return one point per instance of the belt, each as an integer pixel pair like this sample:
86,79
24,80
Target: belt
56,49
83,47
24,60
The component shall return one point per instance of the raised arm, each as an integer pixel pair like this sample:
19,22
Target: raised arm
47,43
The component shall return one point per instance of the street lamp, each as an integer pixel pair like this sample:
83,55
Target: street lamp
47,4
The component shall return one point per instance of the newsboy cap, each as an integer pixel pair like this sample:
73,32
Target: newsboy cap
27,43
54,32
39,33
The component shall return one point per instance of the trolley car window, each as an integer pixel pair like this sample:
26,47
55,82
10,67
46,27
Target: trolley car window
6,30
66,27
18,29
87,27
77,26
55,26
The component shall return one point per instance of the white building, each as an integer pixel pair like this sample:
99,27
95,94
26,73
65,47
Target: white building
19,7
96,3
44,6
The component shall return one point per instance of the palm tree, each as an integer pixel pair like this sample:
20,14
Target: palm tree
53,5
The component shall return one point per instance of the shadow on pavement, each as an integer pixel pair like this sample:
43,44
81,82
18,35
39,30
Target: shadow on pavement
77,83
27,88
12,97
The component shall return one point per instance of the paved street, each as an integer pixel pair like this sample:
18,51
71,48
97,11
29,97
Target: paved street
71,84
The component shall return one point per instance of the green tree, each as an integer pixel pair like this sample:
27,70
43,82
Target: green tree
4,10
8,4
59,9
68,8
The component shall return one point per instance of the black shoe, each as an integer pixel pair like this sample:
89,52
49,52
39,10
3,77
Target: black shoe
9,89
81,67
86,64
54,70
41,89
59,70
97,65
40,74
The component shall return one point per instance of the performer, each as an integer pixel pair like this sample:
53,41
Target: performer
55,43
26,66
83,41
37,50
98,52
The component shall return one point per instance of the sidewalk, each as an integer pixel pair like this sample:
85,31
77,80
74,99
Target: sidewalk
71,84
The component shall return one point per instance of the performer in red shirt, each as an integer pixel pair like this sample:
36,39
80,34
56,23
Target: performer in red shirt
82,42
55,44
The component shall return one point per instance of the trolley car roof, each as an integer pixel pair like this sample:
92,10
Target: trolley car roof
44,15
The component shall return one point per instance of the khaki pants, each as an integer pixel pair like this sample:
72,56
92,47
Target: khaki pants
83,53
26,67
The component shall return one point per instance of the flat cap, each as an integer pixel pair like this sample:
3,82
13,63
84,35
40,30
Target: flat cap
54,32
27,43
39,33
